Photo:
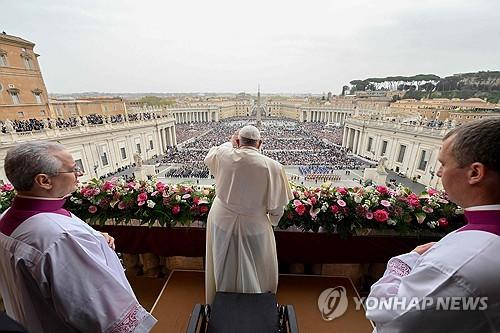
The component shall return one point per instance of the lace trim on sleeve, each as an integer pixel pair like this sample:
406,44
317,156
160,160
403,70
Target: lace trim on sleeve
130,321
399,267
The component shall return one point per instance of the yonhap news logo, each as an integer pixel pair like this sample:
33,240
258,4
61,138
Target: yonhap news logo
333,303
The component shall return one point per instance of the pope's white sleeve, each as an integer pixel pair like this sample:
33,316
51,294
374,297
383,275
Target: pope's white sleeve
211,158
86,292
280,194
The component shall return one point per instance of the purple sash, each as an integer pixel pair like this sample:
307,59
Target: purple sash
483,220
24,208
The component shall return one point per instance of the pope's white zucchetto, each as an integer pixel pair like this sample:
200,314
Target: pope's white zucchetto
249,132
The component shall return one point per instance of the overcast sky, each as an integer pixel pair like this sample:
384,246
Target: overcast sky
287,46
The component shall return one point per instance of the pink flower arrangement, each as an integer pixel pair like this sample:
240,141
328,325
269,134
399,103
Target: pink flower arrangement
339,210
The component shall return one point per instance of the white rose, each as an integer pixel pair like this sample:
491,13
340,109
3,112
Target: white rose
150,203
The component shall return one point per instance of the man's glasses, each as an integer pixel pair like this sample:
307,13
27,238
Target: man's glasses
76,170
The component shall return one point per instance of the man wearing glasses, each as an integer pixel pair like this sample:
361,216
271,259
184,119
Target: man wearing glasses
57,274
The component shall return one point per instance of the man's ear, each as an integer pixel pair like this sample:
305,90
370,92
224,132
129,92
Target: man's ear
237,142
476,173
42,180
260,144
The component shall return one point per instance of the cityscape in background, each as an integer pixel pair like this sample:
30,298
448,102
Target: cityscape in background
316,136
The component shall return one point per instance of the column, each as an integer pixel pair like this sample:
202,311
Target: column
360,142
174,137
162,141
344,137
355,141
169,136
348,137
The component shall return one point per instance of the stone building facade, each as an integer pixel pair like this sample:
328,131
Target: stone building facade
23,94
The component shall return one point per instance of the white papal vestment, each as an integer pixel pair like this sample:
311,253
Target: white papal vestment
251,192
59,275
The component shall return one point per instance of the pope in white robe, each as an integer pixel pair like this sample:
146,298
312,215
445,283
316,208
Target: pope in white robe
251,193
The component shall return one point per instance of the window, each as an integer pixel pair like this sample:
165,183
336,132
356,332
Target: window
384,148
123,152
138,145
42,112
104,158
104,155
151,144
28,63
79,164
38,97
401,155
3,60
20,114
59,112
424,159
370,144
15,97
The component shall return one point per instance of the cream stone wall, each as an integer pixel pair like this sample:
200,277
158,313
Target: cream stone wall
376,138
101,145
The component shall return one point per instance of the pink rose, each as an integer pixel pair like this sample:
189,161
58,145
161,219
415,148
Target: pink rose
300,209
196,200
369,215
342,190
204,209
92,209
385,203
142,197
381,215
443,222
297,203
122,205
432,191
382,189
313,200
160,187
176,209
341,203
7,187
295,194
108,185
413,200
334,209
